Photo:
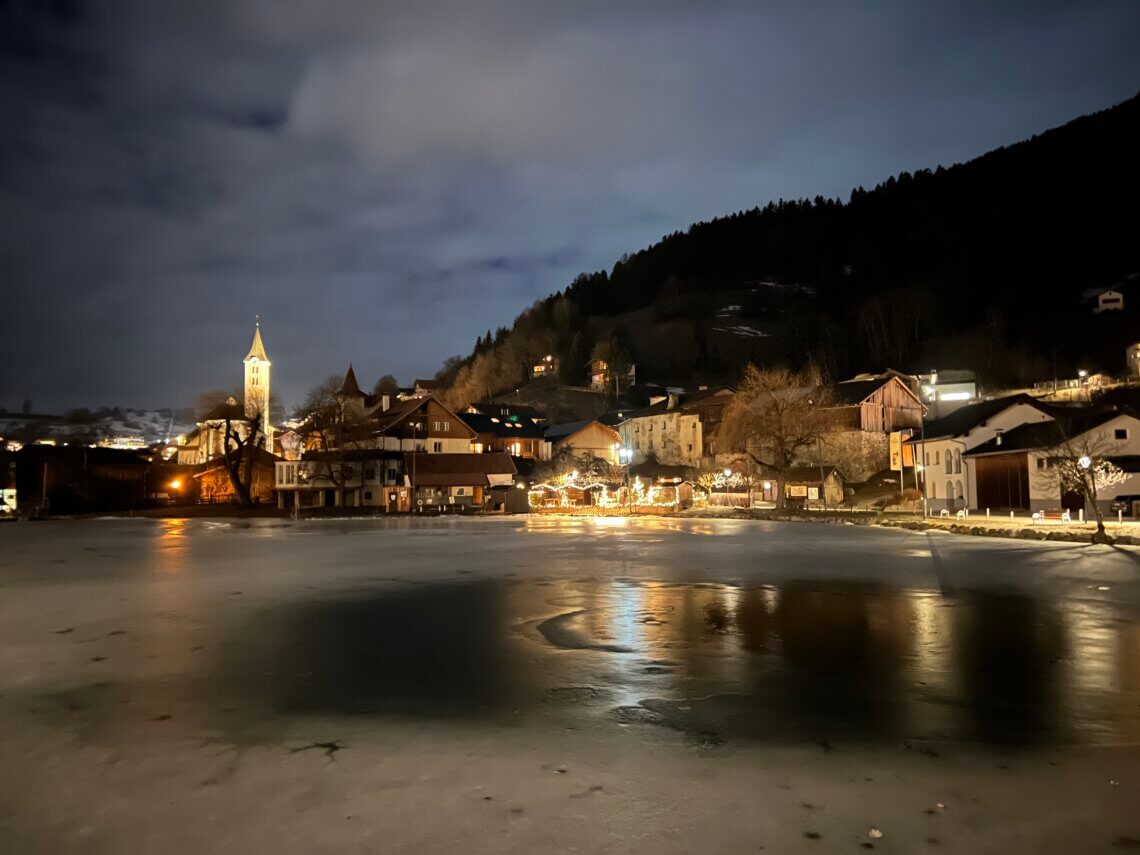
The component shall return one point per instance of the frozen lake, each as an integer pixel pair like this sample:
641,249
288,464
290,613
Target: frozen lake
555,682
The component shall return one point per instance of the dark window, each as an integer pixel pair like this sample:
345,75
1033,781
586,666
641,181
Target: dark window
1121,433
438,446
368,494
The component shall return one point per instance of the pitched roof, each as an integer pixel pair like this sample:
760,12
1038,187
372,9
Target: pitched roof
809,473
516,427
686,402
400,409
257,349
387,419
350,386
1041,435
967,417
857,391
559,432
455,470
228,409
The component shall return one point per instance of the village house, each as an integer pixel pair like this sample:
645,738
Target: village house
1010,471
585,438
1132,359
354,478
945,391
861,414
462,482
943,442
806,486
545,367
515,435
423,388
603,378
678,430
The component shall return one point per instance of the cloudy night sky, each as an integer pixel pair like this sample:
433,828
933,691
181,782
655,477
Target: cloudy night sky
384,182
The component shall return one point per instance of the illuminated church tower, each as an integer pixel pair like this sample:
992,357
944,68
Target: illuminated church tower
257,384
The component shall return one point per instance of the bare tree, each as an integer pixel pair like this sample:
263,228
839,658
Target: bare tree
777,416
339,431
1080,464
242,437
242,432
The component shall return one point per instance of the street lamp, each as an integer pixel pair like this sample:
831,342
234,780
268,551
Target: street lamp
625,455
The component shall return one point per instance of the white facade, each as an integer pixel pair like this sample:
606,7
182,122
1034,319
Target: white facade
948,477
1118,437
365,484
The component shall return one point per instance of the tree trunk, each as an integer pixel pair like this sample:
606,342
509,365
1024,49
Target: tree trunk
780,498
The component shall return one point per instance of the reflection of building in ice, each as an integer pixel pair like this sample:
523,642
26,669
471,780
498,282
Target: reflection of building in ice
1097,669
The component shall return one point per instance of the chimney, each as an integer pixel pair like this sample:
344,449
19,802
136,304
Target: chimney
997,437
673,398
385,402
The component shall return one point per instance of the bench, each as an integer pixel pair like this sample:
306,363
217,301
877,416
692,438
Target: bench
1057,515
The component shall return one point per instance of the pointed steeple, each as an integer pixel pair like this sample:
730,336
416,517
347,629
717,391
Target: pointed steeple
350,386
257,349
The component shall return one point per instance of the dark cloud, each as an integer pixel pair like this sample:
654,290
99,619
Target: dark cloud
383,184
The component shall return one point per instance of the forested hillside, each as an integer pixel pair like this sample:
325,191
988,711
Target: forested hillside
981,265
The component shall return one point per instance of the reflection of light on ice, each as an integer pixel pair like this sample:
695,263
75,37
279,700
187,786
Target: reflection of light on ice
627,608
172,545
933,664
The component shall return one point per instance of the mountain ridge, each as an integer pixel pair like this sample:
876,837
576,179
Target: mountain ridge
982,262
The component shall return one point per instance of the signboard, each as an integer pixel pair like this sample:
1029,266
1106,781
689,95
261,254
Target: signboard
797,490
7,501
813,493
896,451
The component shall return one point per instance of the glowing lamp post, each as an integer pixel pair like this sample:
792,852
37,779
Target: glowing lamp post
625,455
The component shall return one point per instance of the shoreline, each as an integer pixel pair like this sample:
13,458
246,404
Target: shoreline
1126,534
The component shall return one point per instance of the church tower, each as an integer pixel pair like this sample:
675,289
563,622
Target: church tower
257,383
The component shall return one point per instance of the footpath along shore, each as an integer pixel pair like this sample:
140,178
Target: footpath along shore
1019,527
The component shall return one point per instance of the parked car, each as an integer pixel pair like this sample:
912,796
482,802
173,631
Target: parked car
1125,504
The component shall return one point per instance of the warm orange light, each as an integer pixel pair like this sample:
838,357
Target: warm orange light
175,484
